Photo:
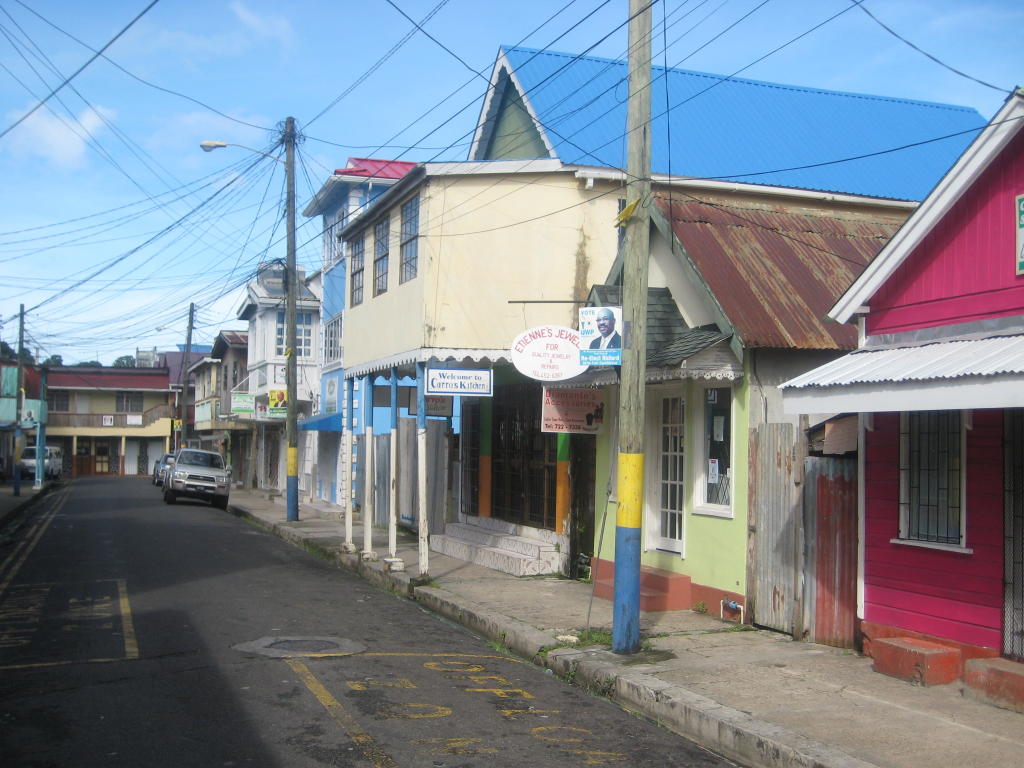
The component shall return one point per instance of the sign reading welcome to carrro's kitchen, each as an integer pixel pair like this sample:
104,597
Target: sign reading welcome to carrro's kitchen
548,353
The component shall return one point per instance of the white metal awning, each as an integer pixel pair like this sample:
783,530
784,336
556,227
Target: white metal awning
467,356
944,375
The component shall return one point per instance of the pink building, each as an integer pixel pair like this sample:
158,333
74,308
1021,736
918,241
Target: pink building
938,381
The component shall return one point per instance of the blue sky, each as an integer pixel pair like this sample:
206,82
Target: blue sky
95,183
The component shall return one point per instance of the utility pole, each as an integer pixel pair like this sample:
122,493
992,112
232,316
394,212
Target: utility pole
19,402
626,597
291,428
185,375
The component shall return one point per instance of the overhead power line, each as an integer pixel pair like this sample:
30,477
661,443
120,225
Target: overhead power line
77,72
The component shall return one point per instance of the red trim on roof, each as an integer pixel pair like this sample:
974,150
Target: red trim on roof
375,168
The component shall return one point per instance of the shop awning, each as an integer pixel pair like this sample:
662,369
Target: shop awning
325,422
958,374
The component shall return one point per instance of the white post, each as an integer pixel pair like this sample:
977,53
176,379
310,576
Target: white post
346,471
368,485
421,469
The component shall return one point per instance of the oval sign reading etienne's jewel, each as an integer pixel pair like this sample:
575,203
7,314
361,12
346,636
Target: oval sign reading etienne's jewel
548,353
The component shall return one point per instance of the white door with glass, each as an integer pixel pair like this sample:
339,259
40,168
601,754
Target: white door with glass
667,485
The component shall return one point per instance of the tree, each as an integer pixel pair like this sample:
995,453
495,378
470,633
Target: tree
54,360
89,364
7,352
125,361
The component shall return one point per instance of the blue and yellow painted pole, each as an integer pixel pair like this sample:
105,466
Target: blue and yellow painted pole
626,597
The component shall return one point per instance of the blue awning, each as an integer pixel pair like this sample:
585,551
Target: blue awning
324,422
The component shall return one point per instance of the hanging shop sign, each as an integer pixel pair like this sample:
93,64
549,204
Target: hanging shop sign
574,411
465,382
601,335
243,402
1020,234
548,353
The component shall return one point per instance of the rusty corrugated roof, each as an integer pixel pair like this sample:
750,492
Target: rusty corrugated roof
777,268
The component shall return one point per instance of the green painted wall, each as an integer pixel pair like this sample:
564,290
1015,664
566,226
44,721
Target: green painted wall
515,136
715,547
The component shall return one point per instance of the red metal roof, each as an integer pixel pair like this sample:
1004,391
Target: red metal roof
109,378
374,168
775,267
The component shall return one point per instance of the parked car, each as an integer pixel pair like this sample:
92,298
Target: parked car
160,468
53,462
196,474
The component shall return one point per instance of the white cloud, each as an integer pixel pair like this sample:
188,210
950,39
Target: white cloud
60,141
264,27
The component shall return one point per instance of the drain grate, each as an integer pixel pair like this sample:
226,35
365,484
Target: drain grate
283,647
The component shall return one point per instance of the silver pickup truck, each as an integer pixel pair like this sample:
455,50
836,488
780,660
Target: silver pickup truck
196,474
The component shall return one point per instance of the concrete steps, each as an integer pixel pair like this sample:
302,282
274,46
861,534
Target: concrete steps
501,546
660,590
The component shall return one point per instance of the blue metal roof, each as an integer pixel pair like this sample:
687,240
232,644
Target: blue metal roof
746,130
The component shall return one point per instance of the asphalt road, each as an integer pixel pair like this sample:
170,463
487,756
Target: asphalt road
142,634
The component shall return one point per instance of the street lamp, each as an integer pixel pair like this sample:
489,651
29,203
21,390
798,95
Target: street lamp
291,295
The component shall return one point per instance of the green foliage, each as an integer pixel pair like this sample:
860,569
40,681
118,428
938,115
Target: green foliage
125,361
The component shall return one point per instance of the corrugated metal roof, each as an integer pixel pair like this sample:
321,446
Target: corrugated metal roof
775,268
746,130
372,167
108,378
993,356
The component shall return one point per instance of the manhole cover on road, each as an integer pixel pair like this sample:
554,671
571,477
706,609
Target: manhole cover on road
283,647
305,645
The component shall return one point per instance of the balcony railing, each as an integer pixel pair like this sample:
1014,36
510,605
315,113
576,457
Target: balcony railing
108,420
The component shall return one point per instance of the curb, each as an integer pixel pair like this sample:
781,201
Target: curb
13,512
729,732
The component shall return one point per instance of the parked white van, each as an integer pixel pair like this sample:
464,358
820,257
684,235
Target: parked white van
53,461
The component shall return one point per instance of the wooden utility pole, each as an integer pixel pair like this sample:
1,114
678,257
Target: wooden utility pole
291,295
185,375
626,602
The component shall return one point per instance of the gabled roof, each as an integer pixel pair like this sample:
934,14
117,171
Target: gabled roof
775,269
731,128
982,152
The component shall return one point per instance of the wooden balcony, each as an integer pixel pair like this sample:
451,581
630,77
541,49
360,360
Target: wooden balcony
110,420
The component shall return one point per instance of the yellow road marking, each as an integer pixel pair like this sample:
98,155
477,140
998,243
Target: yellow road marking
364,685
62,663
432,711
370,749
458,745
131,645
32,540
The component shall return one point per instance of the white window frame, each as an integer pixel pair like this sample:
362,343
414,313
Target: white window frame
333,349
303,334
700,466
904,491
654,540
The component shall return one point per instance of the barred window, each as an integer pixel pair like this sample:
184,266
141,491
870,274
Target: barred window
129,402
409,238
931,481
355,262
381,246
